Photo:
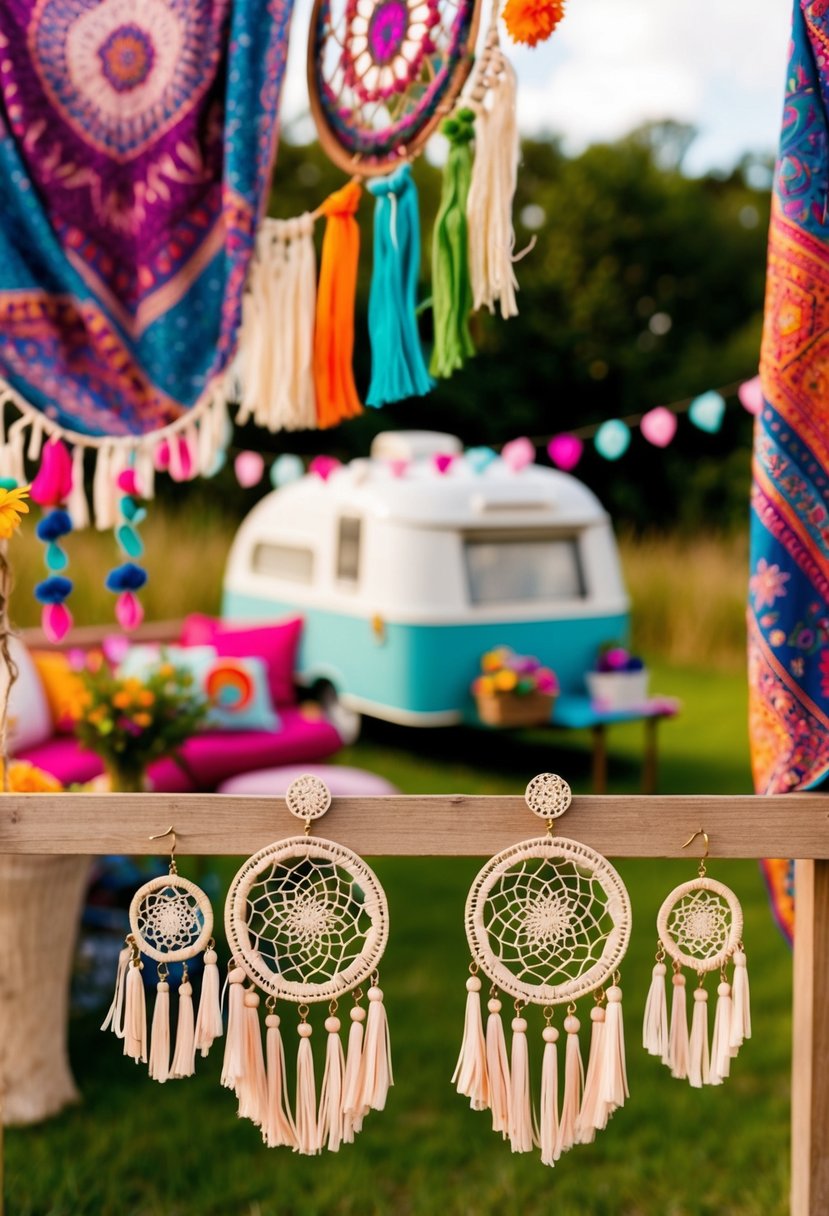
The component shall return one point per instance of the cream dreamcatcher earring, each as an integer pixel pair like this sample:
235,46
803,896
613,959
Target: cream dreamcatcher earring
700,927
171,921
548,920
307,921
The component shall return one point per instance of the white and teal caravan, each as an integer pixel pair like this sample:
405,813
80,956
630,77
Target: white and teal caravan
405,581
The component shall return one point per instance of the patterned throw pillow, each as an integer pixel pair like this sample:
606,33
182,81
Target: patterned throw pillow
236,687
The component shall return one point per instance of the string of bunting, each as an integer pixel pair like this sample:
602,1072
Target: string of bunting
611,439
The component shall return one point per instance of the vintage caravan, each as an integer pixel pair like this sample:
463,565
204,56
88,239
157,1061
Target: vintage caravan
406,575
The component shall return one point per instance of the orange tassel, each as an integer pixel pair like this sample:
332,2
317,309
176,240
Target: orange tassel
337,396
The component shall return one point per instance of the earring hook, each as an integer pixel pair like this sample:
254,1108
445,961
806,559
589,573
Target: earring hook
171,831
699,832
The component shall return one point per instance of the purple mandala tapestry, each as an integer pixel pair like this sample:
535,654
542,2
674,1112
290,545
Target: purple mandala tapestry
136,143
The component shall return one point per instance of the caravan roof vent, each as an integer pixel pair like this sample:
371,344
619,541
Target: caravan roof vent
414,445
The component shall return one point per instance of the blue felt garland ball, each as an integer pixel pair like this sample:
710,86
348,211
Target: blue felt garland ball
128,577
53,590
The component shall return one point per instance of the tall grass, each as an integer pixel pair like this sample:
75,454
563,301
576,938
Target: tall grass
688,598
688,594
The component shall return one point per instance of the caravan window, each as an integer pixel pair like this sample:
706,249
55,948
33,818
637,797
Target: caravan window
508,567
291,563
348,549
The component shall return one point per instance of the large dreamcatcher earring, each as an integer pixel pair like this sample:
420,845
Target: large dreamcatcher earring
700,927
548,920
307,921
171,921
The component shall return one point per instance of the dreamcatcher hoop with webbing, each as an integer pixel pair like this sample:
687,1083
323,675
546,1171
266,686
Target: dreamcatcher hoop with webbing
699,927
548,920
171,922
307,921
382,74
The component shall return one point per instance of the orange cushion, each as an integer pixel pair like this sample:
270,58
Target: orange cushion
63,686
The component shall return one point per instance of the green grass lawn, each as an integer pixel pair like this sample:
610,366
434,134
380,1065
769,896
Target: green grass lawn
134,1148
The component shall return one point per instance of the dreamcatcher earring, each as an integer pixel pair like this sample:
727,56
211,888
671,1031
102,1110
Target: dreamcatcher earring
307,921
547,920
171,921
700,927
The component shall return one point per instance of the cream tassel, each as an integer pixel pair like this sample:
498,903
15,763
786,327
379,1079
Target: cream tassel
594,1111
135,1015
330,1121
678,1044
548,1113
114,1019
184,1056
573,1082
253,1087
76,504
655,1039
102,487
159,1064
698,1057
233,1064
470,1075
307,1136
278,1128
520,1107
740,1003
351,1081
209,1026
492,189
614,1077
375,1064
35,439
720,1044
497,1067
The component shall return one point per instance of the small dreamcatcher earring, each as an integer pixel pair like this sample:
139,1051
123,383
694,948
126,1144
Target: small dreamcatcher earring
548,920
307,921
171,921
700,927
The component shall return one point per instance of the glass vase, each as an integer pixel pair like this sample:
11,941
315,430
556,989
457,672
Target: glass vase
126,777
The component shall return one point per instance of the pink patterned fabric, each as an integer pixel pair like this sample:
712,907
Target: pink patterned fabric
275,644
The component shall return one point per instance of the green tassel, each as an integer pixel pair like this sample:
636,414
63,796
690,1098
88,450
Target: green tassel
451,285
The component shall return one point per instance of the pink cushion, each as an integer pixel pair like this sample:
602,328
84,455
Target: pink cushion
213,756
276,644
342,781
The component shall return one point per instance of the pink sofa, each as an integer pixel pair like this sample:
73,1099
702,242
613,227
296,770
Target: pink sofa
305,734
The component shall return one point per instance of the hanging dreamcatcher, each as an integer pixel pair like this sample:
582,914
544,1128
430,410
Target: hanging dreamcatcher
548,921
171,921
700,927
307,922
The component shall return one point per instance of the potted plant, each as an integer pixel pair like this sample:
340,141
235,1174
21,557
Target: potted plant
514,690
131,722
619,681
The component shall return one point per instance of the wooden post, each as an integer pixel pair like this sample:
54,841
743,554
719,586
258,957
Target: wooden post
810,1045
600,758
650,762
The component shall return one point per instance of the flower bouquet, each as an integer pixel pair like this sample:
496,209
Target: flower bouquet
619,680
514,690
131,722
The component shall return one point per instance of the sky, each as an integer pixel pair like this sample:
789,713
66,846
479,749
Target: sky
612,64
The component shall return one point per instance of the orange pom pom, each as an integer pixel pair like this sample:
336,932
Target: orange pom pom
532,21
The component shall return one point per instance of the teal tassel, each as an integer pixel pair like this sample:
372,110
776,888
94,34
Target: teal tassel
451,284
398,369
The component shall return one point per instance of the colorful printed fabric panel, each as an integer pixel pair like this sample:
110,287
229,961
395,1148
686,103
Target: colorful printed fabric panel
788,614
136,142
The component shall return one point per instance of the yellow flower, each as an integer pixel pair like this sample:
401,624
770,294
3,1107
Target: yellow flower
12,507
505,680
24,778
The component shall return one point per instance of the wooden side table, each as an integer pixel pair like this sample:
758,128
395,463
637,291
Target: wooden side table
576,712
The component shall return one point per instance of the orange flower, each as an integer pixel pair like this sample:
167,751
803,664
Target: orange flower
24,778
145,698
12,507
122,699
141,719
532,21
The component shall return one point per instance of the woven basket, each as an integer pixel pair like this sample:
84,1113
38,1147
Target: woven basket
510,709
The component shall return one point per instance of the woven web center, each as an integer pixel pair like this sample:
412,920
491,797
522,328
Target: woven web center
307,919
170,919
699,923
548,920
